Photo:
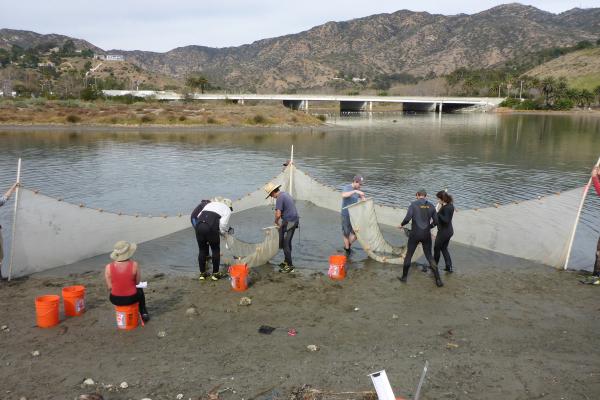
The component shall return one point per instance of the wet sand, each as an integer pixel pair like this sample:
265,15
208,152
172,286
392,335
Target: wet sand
500,328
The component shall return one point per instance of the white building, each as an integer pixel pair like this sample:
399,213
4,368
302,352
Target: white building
114,57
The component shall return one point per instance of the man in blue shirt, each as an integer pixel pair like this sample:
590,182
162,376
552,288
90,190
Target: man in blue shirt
350,194
286,218
424,217
3,200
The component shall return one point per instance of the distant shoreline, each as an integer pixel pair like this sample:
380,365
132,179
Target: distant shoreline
504,110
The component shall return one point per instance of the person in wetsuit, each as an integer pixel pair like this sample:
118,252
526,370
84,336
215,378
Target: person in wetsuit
445,229
211,223
424,217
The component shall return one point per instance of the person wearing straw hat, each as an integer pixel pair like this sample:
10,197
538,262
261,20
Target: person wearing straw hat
287,219
3,200
423,216
122,277
351,194
212,222
596,181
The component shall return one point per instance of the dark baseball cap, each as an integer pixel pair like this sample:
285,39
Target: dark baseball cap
358,179
422,192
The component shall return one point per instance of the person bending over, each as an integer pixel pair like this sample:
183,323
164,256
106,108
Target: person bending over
287,219
423,216
351,193
212,222
122,275
3,200
445,229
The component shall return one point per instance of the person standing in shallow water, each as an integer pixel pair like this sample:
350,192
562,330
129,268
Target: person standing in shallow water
445,229
423,216
596,181
287,219
3,200
351,193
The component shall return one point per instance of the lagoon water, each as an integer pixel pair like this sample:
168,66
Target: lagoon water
481,159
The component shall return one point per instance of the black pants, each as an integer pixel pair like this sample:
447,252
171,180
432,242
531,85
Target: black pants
286,233
413,241
442,240
138,297
206,236
597,264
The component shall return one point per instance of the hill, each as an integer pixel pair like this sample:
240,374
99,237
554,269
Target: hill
416,43
581,68
28,39
376,48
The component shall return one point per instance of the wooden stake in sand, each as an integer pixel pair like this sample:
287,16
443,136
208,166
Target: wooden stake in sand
585,192
12,238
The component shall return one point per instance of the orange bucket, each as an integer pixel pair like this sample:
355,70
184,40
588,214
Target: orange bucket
337,267
239,277
46,310
127,316
74,300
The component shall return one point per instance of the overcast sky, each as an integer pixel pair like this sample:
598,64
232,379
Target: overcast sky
161,25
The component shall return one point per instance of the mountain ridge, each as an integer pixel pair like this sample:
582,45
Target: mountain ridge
416,43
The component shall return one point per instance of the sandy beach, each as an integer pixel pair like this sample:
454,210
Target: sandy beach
500,328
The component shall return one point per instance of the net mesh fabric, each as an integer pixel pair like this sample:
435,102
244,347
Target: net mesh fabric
51,233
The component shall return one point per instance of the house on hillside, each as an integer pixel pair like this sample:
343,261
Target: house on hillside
114,57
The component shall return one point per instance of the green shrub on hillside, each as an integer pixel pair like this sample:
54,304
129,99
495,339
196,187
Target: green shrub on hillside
563,104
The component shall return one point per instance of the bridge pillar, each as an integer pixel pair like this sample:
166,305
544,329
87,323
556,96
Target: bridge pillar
353,106
296,104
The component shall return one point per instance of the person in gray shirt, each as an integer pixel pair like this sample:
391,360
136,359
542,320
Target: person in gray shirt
3,200
287,219
351,194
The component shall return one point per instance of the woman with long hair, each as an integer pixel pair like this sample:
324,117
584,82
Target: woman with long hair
445,229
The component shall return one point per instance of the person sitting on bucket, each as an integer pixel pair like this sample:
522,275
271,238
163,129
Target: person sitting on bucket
212,222
423,216
122,275
350,194
3,200
285,211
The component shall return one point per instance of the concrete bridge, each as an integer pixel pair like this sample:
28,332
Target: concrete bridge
347,103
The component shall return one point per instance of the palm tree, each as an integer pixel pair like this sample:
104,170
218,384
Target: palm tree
196,81
597,91
587,97
547,88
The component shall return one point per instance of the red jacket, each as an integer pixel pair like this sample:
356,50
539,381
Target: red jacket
596,184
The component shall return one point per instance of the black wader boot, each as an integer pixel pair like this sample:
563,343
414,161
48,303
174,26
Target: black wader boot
404,276
436,273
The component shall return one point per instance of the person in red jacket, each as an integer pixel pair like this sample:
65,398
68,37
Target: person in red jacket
596,181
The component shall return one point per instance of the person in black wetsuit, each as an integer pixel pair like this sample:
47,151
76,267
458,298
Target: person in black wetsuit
423,216
445,229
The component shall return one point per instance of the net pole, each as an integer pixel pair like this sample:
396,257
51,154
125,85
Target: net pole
572,239
14,227
291,170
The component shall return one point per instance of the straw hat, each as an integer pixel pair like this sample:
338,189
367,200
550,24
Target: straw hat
228,203
269,188
123,250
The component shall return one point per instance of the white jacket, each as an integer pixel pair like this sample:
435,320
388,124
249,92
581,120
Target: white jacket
222,210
